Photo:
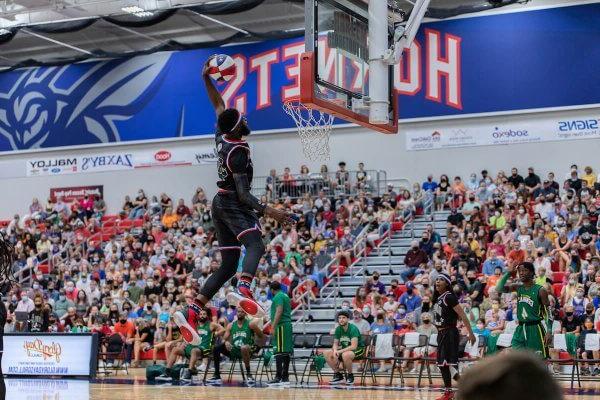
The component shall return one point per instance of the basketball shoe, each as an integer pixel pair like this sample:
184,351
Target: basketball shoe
242,297
186,325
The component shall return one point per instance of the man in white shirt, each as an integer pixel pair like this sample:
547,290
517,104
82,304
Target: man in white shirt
543,208
25,304
469,207
284,239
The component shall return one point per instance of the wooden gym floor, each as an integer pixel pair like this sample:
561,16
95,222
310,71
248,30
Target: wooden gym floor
135,387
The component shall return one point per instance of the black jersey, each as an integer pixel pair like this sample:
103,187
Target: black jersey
234,155
444,315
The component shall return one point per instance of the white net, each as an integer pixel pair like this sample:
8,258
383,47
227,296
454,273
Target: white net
314,127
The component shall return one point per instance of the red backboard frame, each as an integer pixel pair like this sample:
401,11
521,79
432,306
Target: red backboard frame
309,97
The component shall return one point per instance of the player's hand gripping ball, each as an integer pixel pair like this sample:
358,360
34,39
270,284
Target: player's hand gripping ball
221,67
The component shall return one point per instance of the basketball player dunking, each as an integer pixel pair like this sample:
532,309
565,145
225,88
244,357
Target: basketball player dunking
235,213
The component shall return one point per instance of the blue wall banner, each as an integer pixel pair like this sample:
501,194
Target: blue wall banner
506,62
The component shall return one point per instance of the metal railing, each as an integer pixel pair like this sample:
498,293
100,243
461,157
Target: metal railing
47,258
359,251
332,183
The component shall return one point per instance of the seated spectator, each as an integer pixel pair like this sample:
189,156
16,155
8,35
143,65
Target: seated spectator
493,262
348,346
413,259
588,369
363,326
410,299
139,205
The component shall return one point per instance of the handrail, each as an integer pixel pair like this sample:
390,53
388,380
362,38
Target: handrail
315,182
47,258
306,295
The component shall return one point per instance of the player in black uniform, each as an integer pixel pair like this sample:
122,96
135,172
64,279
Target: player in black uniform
235,213
446,312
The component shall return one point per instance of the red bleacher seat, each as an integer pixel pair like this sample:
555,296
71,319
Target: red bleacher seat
109,224
109,217
397,226
125,224
4,223
44,268
138,223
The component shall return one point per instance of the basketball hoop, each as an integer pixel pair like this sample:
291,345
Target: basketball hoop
314,127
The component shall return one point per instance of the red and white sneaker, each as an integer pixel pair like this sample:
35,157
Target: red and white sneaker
448,395
188,333
242,297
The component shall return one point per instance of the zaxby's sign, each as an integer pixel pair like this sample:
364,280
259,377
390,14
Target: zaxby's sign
498,63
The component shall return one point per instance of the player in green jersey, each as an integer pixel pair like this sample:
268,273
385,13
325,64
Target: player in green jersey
207,331
283,345
535,324
348,345
239,341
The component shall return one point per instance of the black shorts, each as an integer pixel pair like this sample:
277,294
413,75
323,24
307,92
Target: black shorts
447,351
232,220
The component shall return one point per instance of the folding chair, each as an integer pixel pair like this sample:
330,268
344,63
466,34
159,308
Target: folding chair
303,342
374,356
258,354
324,342
118,355
409,341
427,359
592,343
470,358
559,342
262,368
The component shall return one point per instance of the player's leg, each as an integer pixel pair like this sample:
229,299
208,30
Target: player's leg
287,349
246,352
446,357
229,247
217,351
519,340
251,238
347,359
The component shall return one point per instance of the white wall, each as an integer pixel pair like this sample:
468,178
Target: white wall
353,145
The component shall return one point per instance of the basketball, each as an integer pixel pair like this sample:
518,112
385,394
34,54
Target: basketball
221,68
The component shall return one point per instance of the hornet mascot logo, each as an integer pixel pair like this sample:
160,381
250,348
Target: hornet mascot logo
76,104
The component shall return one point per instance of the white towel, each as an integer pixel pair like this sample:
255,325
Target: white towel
383,345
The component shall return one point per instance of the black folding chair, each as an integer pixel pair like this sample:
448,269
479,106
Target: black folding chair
422,342
324,342
371,357
427,359
303,342
263,368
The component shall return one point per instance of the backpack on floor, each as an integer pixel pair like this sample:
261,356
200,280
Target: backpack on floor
153,371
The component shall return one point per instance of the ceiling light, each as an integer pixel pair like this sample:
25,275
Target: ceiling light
137,11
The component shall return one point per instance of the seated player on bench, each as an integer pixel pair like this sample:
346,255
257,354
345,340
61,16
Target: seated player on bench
239,341
207,330
348,345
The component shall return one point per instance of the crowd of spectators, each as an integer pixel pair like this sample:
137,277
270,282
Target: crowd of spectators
494,223
133,279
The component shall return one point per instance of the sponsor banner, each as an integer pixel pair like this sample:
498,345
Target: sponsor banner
46,389
175,157
76,192
47,354
455,67
542,129
52,166
105,162
122,161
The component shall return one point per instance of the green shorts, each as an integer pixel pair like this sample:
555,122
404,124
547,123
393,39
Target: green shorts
530,337
359,353
283,339
236,352
188,351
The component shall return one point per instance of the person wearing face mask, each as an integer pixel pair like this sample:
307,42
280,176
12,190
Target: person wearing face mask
25,304
413,259
468,209
579,302
375,283
410,299
588,328
63,303
38,317
126,329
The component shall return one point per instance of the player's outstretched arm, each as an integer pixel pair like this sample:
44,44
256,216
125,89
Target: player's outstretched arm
503,286
213,94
